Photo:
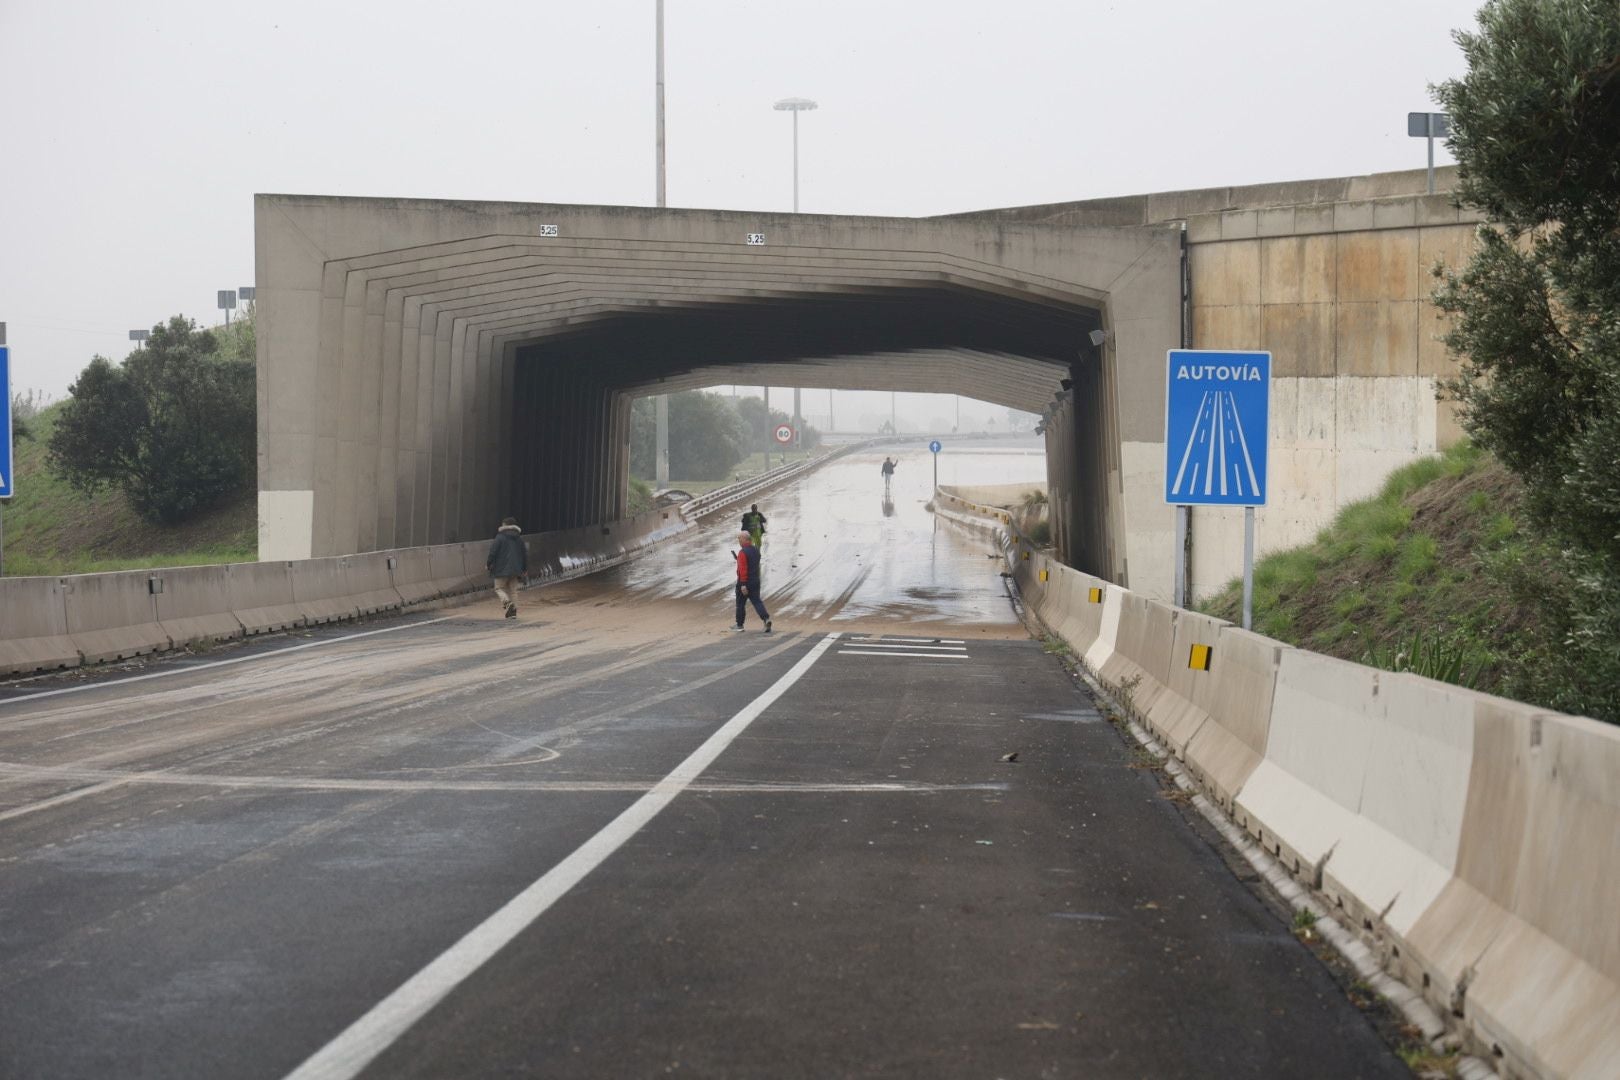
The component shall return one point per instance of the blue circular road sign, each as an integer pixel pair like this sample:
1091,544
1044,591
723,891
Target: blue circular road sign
935,447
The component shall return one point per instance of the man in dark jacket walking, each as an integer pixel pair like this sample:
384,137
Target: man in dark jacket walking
508,561
748,582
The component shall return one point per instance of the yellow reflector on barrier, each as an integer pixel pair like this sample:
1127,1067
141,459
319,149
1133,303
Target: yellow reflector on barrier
1043,575
1198,660
1095,596
1026,556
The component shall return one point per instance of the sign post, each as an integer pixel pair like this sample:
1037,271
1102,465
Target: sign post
934,448
1430,126
6,480
1217,430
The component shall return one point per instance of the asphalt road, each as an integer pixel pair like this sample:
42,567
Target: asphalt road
613,839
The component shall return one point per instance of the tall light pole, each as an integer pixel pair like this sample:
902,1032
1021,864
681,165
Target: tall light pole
661,402
660,105
795,105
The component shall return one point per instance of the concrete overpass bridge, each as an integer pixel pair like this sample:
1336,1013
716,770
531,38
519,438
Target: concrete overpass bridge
427,366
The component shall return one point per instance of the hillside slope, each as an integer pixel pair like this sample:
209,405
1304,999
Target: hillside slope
52,529
1426,576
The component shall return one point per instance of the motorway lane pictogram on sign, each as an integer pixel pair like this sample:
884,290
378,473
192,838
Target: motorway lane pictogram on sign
1217,427
783,433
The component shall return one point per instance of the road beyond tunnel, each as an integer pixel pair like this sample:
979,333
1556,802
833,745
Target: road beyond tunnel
611,838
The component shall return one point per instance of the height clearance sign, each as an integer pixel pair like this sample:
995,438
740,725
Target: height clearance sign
1217,427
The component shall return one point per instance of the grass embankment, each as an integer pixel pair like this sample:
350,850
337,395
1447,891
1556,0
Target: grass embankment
1421,577
52,529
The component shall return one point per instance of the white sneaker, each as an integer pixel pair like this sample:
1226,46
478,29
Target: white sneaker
736,629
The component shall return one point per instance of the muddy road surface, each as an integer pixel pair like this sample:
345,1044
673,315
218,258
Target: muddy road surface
611,838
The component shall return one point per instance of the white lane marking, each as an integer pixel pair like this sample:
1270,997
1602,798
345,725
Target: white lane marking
913,655
189,668
906,640
58,800
919,648
106,779
1192,437
360,1043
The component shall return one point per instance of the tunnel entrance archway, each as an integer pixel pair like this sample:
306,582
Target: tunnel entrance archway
426,367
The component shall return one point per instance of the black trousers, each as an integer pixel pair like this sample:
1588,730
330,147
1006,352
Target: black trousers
745,593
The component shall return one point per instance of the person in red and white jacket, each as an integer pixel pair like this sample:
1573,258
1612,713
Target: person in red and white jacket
748,583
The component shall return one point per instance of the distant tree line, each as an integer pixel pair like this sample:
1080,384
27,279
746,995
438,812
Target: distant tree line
709,434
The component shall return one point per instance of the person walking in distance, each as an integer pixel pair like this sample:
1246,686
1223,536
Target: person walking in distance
748,583
888,473
753,524
508,560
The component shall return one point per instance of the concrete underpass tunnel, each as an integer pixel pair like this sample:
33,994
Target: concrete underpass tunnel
427,367
565,463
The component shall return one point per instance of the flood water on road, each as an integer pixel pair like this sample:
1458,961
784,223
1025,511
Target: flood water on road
835,549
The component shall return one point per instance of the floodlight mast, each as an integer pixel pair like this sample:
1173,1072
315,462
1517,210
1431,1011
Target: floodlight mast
795,105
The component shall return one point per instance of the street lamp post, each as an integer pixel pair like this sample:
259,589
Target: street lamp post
795,105
661,402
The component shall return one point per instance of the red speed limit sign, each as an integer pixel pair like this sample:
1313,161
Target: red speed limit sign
784,433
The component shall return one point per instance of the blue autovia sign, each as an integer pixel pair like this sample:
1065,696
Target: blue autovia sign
5,422
1217,426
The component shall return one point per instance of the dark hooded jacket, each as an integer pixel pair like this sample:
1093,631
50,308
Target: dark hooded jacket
508,556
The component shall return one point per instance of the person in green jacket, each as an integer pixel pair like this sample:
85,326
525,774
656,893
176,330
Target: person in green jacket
753,524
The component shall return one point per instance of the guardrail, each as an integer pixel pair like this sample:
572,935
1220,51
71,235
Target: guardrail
716,500
1472,842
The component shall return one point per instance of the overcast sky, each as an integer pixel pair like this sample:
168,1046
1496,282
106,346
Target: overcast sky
133,135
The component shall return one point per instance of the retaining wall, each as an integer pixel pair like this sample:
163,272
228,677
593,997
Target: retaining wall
1474,841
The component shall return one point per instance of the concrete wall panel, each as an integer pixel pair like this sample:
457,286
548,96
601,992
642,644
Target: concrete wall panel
1298,270
1300,338
1377,337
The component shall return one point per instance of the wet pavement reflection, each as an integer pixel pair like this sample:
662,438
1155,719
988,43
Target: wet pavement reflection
838,549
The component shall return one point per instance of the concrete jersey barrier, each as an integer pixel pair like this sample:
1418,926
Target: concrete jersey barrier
112,616
50,623
412,576
194,604
261,597
1474,841
33,627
